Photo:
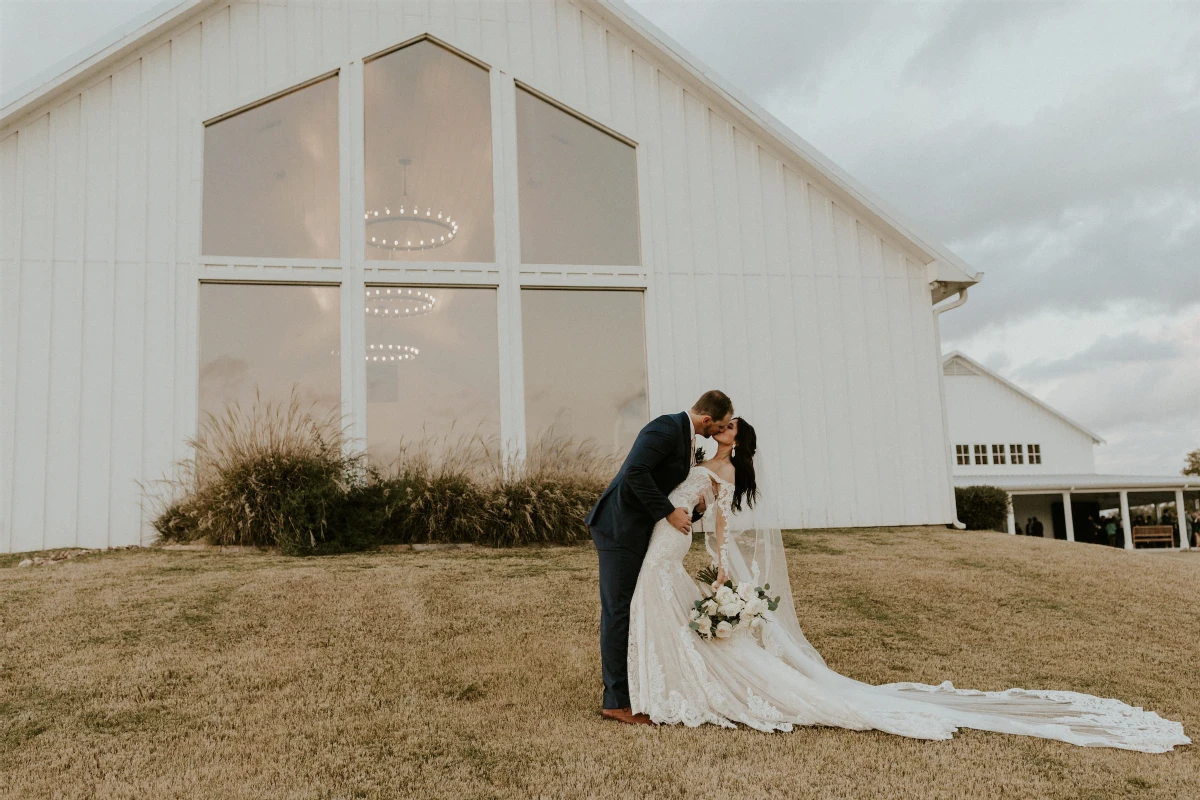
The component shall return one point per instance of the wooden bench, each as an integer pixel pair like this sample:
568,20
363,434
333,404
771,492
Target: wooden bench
1154,534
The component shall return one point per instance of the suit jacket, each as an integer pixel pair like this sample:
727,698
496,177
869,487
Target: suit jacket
660,459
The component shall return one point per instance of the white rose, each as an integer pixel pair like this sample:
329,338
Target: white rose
746,591
704,624
710,606
756,607
724,630
730,609
725,595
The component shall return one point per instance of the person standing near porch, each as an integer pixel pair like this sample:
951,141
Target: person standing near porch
1036,528
1110,531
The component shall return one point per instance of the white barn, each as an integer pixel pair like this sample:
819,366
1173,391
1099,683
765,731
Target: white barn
1005,437
502,217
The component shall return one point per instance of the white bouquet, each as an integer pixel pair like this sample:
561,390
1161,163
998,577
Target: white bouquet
731,607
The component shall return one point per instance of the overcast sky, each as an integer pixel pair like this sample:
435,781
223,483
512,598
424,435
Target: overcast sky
1053,146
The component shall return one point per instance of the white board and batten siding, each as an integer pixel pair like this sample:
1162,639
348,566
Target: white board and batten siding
759,279
985,410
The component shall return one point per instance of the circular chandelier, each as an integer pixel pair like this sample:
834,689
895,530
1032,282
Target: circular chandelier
443,228
391,352
394,303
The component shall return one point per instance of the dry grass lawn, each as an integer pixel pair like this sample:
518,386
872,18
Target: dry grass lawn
474,673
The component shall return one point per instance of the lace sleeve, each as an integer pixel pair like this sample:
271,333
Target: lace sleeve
722,537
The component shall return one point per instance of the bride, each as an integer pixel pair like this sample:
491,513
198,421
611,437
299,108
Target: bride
770,685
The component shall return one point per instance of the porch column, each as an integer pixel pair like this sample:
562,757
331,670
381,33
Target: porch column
1068,517
1012,517
1125,526
1181,520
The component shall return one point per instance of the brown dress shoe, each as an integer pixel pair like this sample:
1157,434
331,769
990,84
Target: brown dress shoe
625,715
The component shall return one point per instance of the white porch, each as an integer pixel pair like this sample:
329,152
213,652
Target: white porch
1129,511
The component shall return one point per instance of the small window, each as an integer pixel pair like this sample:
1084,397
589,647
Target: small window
1035,454
998,454
981,454
963,451
1017,453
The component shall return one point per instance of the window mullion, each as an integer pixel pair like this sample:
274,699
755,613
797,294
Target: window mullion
353,332
508,257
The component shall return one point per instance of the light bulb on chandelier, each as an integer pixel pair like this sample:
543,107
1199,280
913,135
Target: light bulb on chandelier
395,302
391,352
377,223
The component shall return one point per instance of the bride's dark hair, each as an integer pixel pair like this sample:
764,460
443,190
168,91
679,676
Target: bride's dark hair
745,442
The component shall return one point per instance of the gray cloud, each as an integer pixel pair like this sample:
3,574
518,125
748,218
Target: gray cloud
1124,135
969,27
1107,351
767,48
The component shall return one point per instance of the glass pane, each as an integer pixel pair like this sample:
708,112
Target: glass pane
578,189
428,157
433,367
269,339
585,366
271,178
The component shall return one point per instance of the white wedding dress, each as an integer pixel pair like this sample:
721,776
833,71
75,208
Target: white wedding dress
677,677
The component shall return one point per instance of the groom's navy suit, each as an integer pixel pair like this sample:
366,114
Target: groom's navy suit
621,523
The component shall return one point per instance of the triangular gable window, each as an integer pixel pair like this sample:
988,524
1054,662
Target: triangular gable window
428,157
578,189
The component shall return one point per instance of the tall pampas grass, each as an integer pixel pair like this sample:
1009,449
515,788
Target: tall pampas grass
279,475
272,474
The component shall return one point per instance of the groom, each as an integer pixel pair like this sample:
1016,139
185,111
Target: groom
624,517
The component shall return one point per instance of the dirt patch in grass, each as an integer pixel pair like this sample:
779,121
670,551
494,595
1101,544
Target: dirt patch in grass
476,674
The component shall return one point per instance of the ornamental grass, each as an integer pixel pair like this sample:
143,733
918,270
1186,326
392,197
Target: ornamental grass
280,475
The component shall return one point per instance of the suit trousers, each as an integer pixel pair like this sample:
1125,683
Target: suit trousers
619,570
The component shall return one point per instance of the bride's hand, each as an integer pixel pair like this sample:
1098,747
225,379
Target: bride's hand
721,578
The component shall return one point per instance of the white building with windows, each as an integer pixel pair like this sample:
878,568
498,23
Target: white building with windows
442,218
1005,437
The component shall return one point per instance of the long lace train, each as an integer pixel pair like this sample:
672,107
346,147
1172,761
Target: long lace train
782,681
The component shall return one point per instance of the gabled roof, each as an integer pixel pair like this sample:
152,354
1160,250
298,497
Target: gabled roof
945,271
968,365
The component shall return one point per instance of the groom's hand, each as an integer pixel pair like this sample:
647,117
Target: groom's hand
680,520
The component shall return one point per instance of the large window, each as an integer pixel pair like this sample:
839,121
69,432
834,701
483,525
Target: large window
963,452
271,178
1035,454
585,366
1017,453
433,370
997,454
578,189
269,340
981,454
428,157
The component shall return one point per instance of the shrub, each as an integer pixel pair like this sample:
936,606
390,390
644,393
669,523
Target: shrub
274,475
982,508
546,497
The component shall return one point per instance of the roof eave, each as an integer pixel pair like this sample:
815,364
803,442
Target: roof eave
94,59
